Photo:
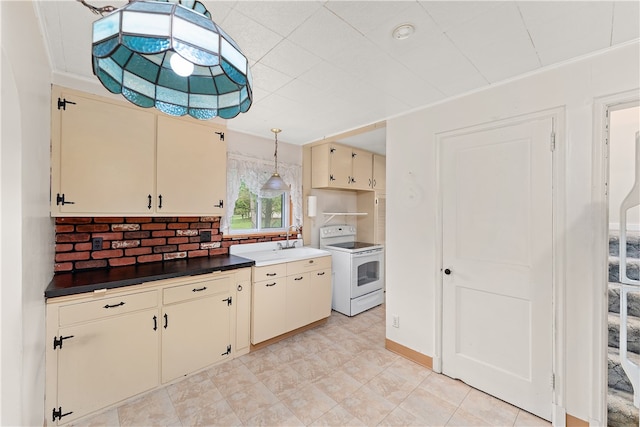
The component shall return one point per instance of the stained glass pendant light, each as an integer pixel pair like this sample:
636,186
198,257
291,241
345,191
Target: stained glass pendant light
275,184
138,50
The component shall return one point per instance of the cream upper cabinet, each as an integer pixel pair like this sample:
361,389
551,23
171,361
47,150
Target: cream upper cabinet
340,166
191,168
103,158
111,158
379,172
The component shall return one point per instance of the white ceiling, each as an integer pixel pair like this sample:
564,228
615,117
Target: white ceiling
321,68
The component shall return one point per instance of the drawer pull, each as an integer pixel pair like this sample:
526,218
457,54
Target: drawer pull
321,273
155,323
114,305
204,288
239,288
310,261
298,278
271,284
271,274
166,320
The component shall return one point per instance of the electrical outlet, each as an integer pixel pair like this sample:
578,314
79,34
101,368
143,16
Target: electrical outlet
96,244
205,236
395,321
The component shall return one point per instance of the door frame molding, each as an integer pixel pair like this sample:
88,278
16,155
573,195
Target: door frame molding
600,201
558,251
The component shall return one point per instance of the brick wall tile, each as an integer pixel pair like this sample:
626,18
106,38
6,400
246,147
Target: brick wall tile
174,255
153,242
189,247
149,258
186,232
164,248
221,251
138,219
121,244
110,253
64,247
136,235
95,263
73,220
117,262
84,246
198,253
64,266
178,226
154,226
109,236
164,219
209,218
194,239
72,256
92,228
137,251
108,219
66,228
75,237
163,233
185,219
196,225
125,227
210,245
177,240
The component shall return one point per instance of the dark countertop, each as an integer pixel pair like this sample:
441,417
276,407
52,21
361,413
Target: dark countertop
116,277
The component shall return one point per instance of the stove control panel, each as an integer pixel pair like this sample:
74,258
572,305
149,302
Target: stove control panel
329,231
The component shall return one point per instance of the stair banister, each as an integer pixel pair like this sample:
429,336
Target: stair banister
626,283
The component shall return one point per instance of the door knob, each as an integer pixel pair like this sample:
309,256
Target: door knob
447,271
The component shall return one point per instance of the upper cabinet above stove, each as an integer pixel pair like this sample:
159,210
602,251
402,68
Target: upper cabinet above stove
109,158
342,167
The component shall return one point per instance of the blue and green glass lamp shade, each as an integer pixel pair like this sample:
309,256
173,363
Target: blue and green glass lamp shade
132,54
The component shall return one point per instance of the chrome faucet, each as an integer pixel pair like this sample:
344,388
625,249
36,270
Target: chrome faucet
293,245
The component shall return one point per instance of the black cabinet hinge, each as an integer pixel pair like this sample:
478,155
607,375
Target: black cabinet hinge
220,204
57,342
331,178
62,103
228,351
228,300
61,201
220,135
57,414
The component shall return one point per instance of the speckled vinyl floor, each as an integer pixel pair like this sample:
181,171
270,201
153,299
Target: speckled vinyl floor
338,374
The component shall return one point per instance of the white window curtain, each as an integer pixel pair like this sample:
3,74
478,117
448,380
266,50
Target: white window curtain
255,172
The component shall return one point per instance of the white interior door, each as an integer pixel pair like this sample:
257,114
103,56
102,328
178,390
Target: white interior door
497,262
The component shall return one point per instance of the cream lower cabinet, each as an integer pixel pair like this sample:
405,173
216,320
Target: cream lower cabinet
106,346
297,294
196,322
243,312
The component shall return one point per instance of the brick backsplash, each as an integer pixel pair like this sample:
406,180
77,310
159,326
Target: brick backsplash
137,240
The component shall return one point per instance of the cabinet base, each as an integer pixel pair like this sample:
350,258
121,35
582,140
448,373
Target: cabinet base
286,335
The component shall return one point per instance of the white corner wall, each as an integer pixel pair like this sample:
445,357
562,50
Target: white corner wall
26,254
412,267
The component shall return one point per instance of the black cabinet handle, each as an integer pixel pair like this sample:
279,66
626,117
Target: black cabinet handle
149,205
204,288
321,273
114,305
155,323
270,274
298,278
160,199
271,284
239,288
166,320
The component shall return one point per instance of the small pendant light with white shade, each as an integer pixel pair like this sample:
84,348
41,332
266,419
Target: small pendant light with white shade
275,185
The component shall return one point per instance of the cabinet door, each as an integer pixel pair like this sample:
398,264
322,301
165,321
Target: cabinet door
362,164
106,361
269,310
339,166
191,168
298,300
102,157
195,334
243,316
319,294
379,172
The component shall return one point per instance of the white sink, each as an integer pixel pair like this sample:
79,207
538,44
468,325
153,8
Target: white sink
275,256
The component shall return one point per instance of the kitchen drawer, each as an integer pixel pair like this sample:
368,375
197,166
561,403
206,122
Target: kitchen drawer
197,289
269,272
106,306
305,265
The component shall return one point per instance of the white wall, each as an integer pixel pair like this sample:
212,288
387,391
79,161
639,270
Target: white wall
412,267
622,168
26,257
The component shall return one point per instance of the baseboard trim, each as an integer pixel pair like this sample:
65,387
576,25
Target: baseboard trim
407,353
576,422
286,335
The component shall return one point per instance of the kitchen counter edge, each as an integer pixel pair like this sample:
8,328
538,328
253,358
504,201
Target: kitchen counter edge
64,284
